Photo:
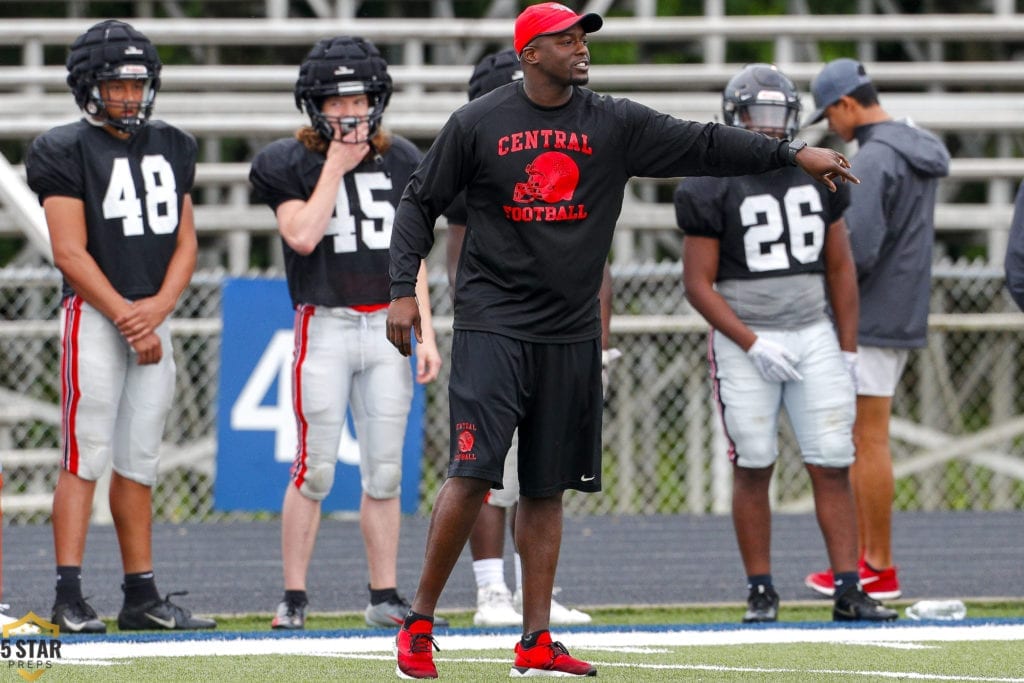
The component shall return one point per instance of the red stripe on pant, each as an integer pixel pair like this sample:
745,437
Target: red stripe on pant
303,314
70,390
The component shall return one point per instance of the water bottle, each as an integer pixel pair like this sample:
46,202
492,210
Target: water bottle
940,610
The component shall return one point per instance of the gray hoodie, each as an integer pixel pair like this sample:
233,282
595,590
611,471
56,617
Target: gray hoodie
891,220
1015,251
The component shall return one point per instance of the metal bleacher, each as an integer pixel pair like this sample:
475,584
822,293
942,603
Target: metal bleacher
977,105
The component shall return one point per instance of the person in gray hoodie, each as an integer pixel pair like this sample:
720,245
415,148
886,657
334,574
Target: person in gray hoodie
891,222
1014,264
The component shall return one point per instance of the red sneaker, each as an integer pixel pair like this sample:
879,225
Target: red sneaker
822,582
548,658
412,648
881,585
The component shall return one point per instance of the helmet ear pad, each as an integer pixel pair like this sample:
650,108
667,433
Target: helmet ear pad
342,65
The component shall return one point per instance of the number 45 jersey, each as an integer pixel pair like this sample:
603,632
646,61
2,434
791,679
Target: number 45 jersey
771,225
133,191
349,267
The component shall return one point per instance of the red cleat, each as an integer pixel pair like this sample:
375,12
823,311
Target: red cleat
548,658
413,650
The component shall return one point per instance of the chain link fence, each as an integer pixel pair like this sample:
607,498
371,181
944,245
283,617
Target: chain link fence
958,433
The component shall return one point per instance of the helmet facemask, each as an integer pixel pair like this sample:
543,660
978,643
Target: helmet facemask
774,119
325,125
133,113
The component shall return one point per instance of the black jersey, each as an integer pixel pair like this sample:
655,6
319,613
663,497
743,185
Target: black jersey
349,267
768,225
133,192
544,188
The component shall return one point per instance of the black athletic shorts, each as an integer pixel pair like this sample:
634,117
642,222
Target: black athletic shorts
551,392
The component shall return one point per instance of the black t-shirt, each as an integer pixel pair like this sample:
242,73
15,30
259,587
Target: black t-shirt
349,267
544,188
768,225
133,192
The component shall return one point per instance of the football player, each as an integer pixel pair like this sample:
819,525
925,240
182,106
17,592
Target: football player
334,187
764,258
115,189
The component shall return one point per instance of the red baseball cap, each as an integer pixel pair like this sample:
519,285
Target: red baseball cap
550,17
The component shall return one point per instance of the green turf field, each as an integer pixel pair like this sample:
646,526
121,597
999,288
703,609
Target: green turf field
686,643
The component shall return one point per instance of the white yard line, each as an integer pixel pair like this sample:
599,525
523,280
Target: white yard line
618,641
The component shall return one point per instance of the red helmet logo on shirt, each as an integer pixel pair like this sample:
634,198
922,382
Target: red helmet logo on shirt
466,441
553,178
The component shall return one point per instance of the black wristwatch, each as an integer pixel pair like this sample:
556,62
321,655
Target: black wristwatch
794,147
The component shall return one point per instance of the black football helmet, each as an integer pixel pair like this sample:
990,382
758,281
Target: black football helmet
494,70
342,65
113,50
762,98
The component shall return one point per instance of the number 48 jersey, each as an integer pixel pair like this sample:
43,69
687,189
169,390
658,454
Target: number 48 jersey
769,225
133,191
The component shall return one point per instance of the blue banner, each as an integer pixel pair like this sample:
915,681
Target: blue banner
255,423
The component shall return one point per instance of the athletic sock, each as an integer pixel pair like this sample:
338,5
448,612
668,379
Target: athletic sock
378,596
297,598
140,588
413,617
69,583
489,571
844,579
530,639
759,580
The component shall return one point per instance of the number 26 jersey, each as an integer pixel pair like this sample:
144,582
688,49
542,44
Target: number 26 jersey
133,191
768,225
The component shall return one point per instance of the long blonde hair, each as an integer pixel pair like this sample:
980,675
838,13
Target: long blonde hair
314,142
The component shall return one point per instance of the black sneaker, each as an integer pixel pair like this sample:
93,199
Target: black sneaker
392,612
856,605
762,605
161,614
77,617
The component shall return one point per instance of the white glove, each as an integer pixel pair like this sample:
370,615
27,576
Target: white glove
773,361
608,356
850,358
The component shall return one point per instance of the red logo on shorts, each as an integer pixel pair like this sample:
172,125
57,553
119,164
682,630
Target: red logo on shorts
466,441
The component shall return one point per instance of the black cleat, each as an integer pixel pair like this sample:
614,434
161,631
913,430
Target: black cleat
77,617
856,605
159,615
762,605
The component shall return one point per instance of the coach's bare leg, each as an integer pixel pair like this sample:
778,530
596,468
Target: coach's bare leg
872,479
72,508
131,506
752,517
836,513
539,540
300,520
380,520
455,512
